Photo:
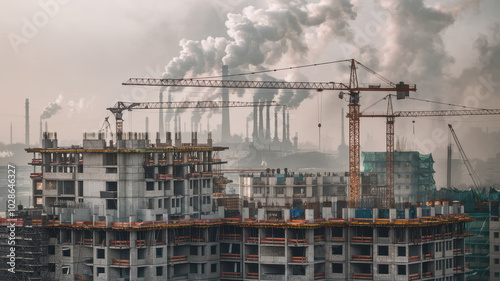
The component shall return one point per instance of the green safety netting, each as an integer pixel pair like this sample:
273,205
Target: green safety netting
420,166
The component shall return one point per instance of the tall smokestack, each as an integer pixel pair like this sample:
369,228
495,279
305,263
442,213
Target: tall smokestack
46,127
179,125
261,122
208,125
268,120
288,126
168,114
255,133
284,124
175,124
245,139
226,128
276,125
147,125
160,118
27,125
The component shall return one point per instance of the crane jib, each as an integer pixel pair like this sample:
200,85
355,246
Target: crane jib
256,84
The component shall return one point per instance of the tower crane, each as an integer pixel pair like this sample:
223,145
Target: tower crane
390,118
121,106
352,89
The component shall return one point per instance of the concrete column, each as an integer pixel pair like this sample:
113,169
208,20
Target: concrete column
392,214
351,213
433,211
326,212
419,212
310,215
261,214
407,213
375,214
185,160
246,213
170,161
220,210
286,214
438,210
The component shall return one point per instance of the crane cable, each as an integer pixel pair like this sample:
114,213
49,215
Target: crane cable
444,103
267,70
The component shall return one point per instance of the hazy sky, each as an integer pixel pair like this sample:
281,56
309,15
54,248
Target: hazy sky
75,55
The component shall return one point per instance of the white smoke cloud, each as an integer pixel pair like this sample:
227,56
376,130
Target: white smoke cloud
52,108
257,38
6,153
80,105
414,48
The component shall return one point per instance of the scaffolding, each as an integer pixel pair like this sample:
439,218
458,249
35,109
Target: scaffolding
479,246
31,239
413,170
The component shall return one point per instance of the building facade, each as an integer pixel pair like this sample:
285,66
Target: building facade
413,173
139,210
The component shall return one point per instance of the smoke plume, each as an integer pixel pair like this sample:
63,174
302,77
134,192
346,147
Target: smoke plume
257,38
414,47
52,108
6,153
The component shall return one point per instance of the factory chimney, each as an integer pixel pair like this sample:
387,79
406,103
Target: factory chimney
246,139
226,128
255,133
284,124
288,126
147,125
168,113
268,120
46,127
175,124
161,129
27,125
261,122
276,125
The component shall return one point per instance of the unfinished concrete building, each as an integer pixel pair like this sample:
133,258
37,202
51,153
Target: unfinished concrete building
105,203
137,210
413,173
296,227
296,191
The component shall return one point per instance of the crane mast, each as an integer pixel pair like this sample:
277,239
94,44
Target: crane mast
352,89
